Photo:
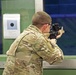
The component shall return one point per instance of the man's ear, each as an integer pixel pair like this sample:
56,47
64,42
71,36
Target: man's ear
45,26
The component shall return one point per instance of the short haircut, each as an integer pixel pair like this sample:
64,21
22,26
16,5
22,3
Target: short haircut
40,18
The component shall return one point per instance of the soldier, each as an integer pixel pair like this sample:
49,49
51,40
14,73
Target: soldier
27,53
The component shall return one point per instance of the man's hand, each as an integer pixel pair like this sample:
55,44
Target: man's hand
60,32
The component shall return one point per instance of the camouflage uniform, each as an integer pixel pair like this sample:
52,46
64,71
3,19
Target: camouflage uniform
27,52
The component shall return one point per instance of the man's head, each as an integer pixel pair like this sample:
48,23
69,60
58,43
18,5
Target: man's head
41,20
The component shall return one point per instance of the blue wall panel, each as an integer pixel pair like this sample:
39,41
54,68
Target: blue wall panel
64,12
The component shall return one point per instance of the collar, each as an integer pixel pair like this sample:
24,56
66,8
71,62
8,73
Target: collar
32,27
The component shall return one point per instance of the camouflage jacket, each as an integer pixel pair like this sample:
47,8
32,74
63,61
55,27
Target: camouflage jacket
28,51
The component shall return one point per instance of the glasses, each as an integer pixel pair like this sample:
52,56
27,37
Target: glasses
49,23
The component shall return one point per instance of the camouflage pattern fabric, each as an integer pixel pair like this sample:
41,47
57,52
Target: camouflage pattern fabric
28,51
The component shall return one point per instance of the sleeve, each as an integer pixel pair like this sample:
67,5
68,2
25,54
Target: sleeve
48,52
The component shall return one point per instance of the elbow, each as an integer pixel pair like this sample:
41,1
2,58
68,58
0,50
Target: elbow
57,60
61,58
